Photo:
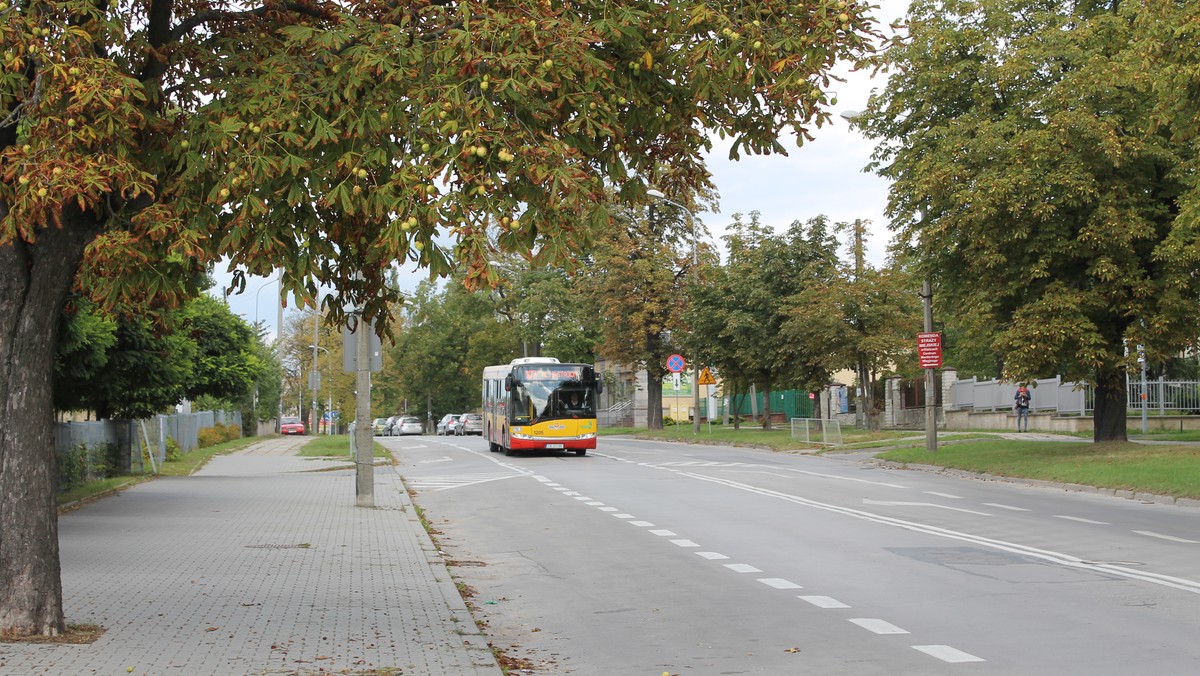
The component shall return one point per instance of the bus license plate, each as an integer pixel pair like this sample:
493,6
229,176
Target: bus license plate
554,445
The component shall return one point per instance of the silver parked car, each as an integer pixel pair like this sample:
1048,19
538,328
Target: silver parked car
409,424
469,423
443,426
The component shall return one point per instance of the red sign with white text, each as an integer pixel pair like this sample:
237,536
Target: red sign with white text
929,350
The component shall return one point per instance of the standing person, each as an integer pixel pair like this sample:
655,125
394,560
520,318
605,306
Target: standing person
1021,405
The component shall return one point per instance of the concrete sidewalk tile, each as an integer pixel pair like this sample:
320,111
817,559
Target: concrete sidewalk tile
241,570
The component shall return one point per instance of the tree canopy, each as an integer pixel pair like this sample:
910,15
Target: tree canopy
1038,188
141,140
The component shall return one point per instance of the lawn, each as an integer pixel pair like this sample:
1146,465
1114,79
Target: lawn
1159,469
325,446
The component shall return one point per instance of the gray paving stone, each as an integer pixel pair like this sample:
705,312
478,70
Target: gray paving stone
257,565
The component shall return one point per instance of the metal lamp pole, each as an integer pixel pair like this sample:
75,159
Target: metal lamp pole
695,262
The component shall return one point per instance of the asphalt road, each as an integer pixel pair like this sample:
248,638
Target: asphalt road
645,557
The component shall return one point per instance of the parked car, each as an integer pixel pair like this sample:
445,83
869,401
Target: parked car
291,425
409,424
469,423
443,426
379,425
389,427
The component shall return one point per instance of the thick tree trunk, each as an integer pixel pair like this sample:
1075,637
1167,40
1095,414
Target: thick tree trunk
34,283
1110,420
654,410
766,421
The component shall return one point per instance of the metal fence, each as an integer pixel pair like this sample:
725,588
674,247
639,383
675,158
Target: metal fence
1052,394
129,435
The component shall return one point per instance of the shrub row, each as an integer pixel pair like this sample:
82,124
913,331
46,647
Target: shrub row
218,434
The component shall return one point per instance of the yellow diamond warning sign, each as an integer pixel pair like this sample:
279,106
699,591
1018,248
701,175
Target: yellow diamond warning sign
706,378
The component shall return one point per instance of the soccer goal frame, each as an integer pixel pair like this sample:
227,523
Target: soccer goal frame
815,431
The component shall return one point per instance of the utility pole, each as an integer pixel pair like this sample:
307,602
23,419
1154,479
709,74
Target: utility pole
930,394
364,437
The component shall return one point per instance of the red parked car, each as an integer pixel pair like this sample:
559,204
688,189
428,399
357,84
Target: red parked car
291,426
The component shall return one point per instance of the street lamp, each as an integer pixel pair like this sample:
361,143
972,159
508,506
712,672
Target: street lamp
657,194
852,116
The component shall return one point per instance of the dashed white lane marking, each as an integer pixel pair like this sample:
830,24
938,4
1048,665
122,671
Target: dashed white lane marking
1008,507
878,626
711,556
1058,558
562,489
779,583
553,485
684,543
624,516
895,503
642,524
596,503
445,458
608,509
944,495
1172,538
742,568
664,533
823,601
1081,520
947,654
566,492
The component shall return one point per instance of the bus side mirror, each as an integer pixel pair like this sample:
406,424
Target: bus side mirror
508,383
599,386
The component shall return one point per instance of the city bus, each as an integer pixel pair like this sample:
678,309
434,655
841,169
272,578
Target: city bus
538,403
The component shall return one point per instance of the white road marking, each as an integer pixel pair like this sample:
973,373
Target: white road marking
429,462
894,503
1172,538
1008,507
1050,556
779,583
596,503
562,489
755,471
711,556
823,601
664,533
624,516
553,485
947,654
742,568
442,483
642,524
1081,520
684,543
582,498
608,509
878,626
944,495
570,492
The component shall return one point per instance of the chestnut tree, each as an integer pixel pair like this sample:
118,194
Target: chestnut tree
142,140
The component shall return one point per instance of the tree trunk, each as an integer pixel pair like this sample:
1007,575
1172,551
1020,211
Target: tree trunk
34,283
766,423
1109,421
654,410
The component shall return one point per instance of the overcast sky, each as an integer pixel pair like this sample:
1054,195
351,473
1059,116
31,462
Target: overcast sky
824,177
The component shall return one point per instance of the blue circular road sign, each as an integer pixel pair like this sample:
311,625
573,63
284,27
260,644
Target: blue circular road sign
676,363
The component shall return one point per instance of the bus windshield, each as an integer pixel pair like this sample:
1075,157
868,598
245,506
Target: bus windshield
546,392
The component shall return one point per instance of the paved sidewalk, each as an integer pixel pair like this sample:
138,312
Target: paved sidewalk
257,565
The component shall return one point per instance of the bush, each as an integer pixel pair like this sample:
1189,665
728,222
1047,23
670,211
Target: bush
210,436
173,450
217,434
82,463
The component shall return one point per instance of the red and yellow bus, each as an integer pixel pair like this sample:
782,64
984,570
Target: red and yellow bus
538,403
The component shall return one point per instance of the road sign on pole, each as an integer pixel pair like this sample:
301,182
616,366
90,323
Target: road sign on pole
706,378
929,350
676,363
